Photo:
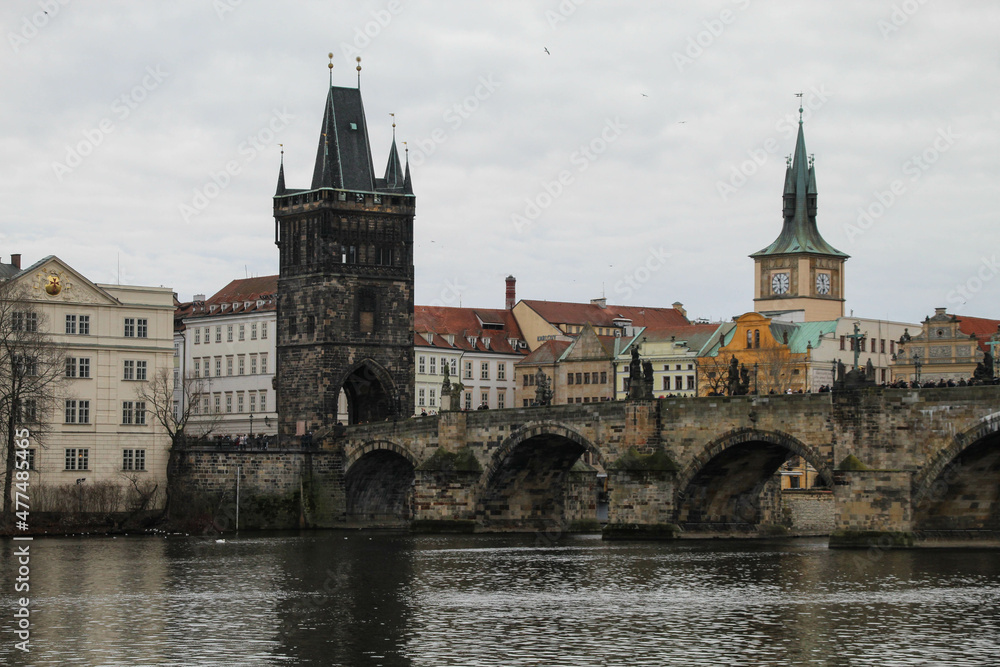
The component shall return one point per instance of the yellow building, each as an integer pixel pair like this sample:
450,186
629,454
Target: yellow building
765,359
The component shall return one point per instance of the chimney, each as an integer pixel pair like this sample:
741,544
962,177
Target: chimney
511,300
15,260
600,303
678,306
198,298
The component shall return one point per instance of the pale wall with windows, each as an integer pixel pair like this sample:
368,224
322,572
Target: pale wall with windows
113,337
429,374
485,375
234,352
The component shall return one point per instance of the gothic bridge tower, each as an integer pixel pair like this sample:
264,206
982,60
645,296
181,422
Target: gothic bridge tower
345,283
800,274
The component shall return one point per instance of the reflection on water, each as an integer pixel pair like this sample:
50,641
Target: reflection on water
370,598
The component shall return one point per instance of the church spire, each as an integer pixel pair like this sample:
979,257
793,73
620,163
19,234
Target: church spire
799,232
407,183
393,170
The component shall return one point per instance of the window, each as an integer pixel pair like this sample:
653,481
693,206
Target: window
229,365
229,333
749,339
197,368
142,328
197,336
24,321
71,324
253,331
253,364
586,378
28,411
486,398
263,330
366,310
239,401
240,365
177,378
501,371
263,399
253,402
208,335
140,370
433,397
70,367
422,365
129,326
433,366
134,412
468,400
468,373
242,335
666,383
77,459
217,403
31,459
26,366
454,368
843,342
690,382
501,400
133,459
678,383
579,378
604,377
77,412
263,362
882,346
569,379
420,397
229,402
129,370
484,370
218,333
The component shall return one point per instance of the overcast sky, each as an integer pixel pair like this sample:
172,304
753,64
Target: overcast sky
631,149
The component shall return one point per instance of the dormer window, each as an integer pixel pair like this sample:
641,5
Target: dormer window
222,308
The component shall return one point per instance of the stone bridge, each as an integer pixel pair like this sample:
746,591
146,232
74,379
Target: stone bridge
904,466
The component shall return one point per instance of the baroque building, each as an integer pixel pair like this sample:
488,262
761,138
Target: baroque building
799,277
345,281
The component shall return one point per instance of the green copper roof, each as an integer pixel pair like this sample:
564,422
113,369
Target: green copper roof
799,233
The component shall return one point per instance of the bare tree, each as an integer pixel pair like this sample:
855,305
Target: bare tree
714,373
175,414
775,367
31,372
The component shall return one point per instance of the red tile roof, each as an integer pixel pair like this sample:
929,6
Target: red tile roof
546,353
979,327
240,296
560,312
463,323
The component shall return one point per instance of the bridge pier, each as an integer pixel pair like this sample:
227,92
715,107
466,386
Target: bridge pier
873,509
641,505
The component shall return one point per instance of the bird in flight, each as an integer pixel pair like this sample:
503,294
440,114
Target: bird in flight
546,50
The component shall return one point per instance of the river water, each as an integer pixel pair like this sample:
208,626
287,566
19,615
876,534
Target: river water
378,598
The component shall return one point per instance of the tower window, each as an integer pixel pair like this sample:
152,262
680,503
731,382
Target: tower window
366,310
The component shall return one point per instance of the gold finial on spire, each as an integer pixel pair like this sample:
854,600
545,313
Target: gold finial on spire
330,56
393,125
799,95
358,60
282,146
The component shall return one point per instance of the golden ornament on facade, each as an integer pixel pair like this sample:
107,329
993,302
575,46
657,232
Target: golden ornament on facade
53,285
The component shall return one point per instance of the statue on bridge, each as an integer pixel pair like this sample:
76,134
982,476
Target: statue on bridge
543,388
984,369
647,379
636,390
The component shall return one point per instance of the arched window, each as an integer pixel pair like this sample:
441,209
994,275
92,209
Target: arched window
756,338
749,339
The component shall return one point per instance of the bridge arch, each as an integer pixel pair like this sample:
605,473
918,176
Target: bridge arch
378,483
533,482
959,487
721,487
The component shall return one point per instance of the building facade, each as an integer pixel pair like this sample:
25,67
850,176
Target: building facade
945,348
229,349
345,284
115,339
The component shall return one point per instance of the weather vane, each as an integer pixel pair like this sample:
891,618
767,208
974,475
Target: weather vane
799,95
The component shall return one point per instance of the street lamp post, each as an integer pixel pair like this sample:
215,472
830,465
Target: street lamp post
251,424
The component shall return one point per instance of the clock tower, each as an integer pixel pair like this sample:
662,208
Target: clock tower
800,275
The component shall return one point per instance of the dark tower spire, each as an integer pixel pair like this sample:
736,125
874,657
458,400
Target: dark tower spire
393,170
407,183
280,190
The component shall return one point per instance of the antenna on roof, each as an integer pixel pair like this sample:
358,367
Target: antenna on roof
330,56
358,59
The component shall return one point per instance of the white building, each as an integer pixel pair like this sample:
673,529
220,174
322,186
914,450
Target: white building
114,338
229,341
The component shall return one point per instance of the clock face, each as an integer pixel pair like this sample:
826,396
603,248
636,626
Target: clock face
779,283
822,283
